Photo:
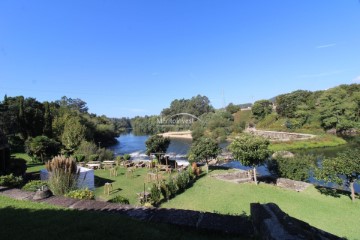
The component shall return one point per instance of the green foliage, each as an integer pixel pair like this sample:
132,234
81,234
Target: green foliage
82,194
16,166
196,106
155,194
93,157
86,149
10,181
250,150
145,125
105,154
79,157
197,130
218,125
182,180
286,104
232,108
261,108
320,141
63,175
171,185
16,143
119,199
296,168
157,144
338,110
42,147
126,157
165,191
34,185
203,149
343,169
73,134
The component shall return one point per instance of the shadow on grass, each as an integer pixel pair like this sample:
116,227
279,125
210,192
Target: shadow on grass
212,168
116,190
337,193
100,182
24,223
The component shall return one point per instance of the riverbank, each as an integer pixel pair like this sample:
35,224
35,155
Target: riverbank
319,141
180,134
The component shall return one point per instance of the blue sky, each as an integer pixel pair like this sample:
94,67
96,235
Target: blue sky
127,58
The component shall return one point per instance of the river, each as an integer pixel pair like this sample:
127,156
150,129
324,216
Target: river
135,146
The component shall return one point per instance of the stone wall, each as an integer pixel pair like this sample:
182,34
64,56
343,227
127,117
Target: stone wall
267,220
280,136
292,184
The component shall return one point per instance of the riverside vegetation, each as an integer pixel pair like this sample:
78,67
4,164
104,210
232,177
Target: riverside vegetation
46,129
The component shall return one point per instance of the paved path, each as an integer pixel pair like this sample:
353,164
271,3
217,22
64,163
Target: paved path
235,225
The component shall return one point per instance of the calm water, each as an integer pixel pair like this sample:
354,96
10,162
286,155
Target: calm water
135,146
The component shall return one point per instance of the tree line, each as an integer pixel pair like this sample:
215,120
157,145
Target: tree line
48,128
336,109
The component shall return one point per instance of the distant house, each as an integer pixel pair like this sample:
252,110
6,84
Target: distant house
4,152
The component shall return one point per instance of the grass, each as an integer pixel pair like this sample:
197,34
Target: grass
324,140
32,167
29,220
126,186
336,215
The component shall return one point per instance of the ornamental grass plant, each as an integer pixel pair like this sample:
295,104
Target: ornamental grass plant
63,175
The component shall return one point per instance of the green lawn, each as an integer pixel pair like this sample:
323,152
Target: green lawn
324,140
336,215
28,220
126,186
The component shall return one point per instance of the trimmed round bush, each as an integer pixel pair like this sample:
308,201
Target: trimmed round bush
119,199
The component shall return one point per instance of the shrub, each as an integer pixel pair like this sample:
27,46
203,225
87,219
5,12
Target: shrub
164,188
105,154
155,194
16,166
127,157
93,157
182,180
16,143
82,194
10,180
172,187
63,175
79,157
296,168
119,199
34,185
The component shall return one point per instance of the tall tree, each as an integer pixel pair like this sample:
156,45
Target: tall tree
343,169
42,147
203,149
250,150
47,130
261,108
157,144
232,108
286,104
337,110
74,133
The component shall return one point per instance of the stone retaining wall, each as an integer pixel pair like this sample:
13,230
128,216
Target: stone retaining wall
267,220
292,184
280,136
